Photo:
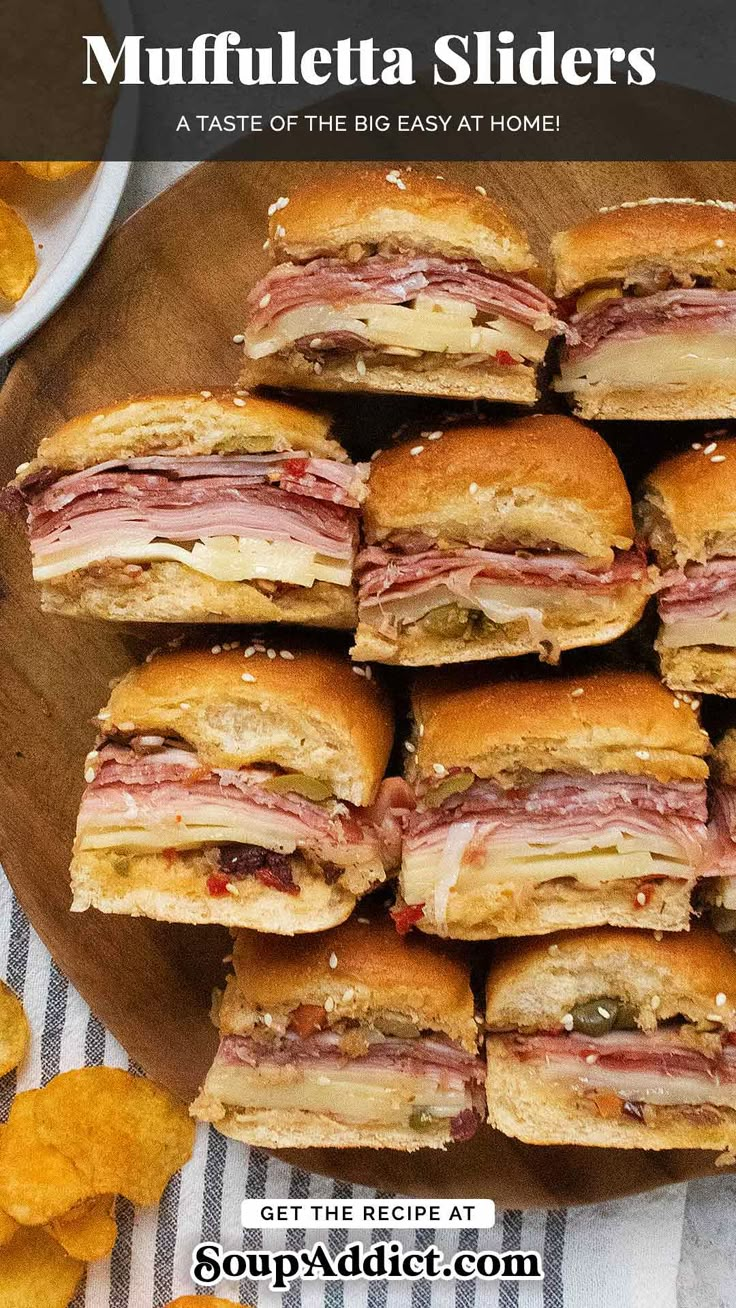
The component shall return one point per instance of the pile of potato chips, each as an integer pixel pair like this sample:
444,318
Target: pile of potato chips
66,1152
18,260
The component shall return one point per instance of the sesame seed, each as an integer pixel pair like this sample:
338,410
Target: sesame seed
395,180
439,769
267,244
286,654
247,676
720,999
694,704
359,672
553,949
411,749
368,673
89,774
481,190
416,449
432,435
655,1002
238,338
267,1019
579,690
216,649
676,703
280,231
123,726
271,653
206,395
364,921
473,488
718,458
719,242
281,203
329,1004
21,468
568,1021
421,728
696,445
318,368
710,448
658,935
641,898
333,960
604,1012
348,994
264,301
185,705
591,1058
239,404
643,754
360,367
231,888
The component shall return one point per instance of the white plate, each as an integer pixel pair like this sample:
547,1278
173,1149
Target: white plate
68,220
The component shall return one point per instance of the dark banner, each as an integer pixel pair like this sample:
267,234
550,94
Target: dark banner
179,79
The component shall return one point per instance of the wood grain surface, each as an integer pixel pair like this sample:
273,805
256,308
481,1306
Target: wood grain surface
158,310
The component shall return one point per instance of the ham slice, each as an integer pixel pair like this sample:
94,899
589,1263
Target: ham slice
700,591
398,280
632,318
428,1054
720,852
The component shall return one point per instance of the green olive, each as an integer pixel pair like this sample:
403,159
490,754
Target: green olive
296,783
596,1017
455,784
448,620
625,1019
422,1119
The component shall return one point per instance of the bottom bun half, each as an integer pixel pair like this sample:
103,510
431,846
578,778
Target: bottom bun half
295,1129
706,669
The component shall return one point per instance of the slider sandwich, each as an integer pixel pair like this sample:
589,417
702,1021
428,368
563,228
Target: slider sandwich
488,541
652,333
624,1039
350,1038
688,516
240,785
391,280
198,508
555,803
718,887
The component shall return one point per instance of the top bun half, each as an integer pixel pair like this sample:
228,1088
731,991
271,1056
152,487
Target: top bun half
531,481
185,425
363,969
602,722
687,509
308,713
348,214
687,237
533,984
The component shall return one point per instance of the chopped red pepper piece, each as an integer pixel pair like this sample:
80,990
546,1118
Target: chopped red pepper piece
503,357
217,884
407,917
295,468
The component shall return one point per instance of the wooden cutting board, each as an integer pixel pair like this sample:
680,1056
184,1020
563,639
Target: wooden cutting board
159,310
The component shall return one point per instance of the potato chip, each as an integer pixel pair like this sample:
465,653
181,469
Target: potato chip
52,172
14,1031
91,1132
17,254
88,1231
200,1301
36,1273
8,1228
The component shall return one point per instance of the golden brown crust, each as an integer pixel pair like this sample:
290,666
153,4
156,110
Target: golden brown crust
622,722
311,713
185,424
436,376
396,208
172,592
533,983
655,403
700,669
543,1111
689,238
723,761
362,968
412,647
687,507
531,477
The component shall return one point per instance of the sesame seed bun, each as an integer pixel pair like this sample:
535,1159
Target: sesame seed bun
687,506
310,714
537,480
396,209
362,968
186,425
687,237
622,722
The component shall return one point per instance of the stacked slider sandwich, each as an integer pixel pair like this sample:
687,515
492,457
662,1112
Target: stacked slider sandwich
555,803
652,329
353,1037
240,786
391,280
687,514
718,887
496,540
194,507
618,1038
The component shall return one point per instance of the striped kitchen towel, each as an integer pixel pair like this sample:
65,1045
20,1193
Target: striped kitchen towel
670,1249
